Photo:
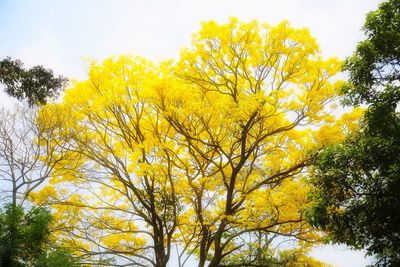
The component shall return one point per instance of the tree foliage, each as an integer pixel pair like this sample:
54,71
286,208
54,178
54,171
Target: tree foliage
56,257
36,85
375,63
202,154
358,182
22,235
24,239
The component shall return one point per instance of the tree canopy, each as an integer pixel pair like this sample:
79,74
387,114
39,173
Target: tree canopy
24,239
207,155
22,235
357,183
35,85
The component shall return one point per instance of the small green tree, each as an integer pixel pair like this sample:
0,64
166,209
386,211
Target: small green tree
56,257
23,234
36,85
24,239
357,184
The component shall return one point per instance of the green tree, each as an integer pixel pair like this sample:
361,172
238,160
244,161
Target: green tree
357,184
24,239
56,257
36,85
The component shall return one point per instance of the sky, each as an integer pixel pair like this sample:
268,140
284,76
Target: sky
63,34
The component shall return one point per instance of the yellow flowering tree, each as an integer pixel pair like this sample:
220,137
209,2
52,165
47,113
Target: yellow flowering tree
209,153
115,196
248,111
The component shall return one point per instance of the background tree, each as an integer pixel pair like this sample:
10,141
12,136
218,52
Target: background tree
25,166
22,236
24,162
24,239
56,257
357,183
36,85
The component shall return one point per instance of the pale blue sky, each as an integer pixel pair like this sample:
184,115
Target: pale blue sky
60,34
